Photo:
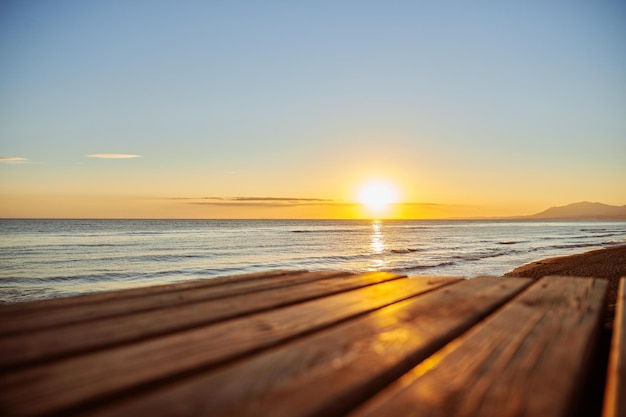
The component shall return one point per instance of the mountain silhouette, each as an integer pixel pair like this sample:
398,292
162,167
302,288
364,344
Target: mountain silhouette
583,210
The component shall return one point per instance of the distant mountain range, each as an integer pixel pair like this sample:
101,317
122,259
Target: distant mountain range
583,210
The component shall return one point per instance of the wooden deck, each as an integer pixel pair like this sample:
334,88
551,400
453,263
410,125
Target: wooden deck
289,343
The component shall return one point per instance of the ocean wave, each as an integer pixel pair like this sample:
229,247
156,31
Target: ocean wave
614,242
365,229
577,245
112,277
596,236
482,256
402,251
147,258
104,255
332,258
420,267
99,245
114,261
602,230
104,277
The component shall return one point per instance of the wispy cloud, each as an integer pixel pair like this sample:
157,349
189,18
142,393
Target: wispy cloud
283,199
14,160
112,156
256,201
287,202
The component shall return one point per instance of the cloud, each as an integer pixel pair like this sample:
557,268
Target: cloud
257,201
293,202
285,202
283,199
112,156
13,160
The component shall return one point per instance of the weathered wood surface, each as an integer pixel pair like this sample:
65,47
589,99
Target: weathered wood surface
96,374
87,335
615,399
326,374
529,359
305,344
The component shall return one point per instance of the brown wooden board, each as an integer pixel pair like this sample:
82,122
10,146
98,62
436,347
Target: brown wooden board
528,359
615,399
46,318
90,377
51,343
331,372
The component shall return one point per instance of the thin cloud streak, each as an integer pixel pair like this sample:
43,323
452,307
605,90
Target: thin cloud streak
284,199
13,160
283,202
112,156
253,204
257,201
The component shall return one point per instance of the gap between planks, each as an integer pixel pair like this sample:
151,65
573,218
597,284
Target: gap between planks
615,393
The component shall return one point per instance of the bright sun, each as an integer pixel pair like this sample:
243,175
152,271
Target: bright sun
376,196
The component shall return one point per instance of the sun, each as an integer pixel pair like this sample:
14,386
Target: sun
376,196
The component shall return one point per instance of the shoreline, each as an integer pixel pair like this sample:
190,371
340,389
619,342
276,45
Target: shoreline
608,263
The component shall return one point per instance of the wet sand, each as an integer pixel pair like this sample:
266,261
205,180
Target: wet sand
608,263
603,263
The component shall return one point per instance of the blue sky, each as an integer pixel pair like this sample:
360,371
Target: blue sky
499,106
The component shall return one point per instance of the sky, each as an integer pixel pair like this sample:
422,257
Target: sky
282,109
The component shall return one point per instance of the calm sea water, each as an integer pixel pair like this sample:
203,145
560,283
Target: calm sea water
52,258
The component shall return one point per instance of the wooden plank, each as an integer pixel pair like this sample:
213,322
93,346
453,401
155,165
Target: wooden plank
51,343
331,372
63,302
615,399
529,359
85,378
42,319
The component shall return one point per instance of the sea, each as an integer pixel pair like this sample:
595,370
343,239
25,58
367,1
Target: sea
41,259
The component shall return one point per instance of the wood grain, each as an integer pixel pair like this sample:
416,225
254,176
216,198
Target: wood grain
89,377
330,372
47,318
528,359
615,399
56,342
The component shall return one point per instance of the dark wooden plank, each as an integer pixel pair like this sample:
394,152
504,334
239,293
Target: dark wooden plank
63,302
42,319
75,380
331,372
529,359
615,399
51,343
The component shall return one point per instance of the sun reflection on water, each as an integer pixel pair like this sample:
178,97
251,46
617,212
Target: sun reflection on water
377,245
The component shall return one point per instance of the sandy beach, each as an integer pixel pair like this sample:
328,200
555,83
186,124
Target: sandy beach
609,263
602,263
